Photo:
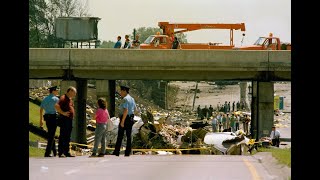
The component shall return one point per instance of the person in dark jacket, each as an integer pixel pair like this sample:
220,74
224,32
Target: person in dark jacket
176,44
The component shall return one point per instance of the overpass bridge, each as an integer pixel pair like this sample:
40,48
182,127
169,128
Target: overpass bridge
169,64
76,66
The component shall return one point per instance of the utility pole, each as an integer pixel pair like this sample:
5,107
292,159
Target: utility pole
134,34
195,95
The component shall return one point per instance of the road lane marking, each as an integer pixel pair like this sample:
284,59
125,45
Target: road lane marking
103,160
252,170
71,171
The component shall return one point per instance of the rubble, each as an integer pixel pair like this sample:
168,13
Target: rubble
174,129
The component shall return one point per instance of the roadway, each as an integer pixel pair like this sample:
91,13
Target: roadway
158,167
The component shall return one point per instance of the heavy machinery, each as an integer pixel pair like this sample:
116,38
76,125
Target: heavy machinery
266,43
164,41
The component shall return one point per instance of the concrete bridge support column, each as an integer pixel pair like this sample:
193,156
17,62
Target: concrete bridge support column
163,94
79,124
243,94
262,108
106,89
254,111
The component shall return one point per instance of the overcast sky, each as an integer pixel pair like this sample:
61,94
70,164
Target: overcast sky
120,17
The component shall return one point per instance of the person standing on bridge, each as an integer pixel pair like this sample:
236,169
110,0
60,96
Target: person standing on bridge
176,44
136,43
127,109
118,43
101,117
66,111
50,116
127,43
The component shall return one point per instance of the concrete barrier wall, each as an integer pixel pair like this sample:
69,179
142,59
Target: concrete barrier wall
172,59
158,64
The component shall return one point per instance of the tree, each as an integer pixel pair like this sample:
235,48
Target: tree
107,44
145,32
37,23
42,15
182,37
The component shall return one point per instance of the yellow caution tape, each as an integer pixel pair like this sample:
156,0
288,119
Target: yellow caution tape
252,141
145,149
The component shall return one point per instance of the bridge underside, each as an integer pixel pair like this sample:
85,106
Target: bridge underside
184,75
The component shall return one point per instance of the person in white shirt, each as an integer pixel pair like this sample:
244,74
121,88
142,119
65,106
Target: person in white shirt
275,137
214,123
219,118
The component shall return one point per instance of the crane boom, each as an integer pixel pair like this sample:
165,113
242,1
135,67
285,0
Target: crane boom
169,28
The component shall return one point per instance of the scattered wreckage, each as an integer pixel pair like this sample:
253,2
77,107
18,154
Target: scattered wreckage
154,130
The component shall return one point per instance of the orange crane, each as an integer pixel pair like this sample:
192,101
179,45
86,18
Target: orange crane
164,41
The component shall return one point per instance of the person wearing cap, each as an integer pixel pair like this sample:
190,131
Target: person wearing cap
126,115
65,108
275,137
48,114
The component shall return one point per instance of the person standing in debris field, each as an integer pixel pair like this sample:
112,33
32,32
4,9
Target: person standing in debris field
247,121
127,109
210,109
238,106
65,108
199,112
227,121
275,137
232,122
101,117
214,122
225,107
205,112
224,121
118,43
219,118
50,116
237,116
233,106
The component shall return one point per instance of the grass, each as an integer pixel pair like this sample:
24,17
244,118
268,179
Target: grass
34,113
36,152
282,155
34,137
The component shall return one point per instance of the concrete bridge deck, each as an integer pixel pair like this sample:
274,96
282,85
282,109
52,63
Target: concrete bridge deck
113,64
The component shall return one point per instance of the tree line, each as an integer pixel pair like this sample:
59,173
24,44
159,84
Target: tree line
42,14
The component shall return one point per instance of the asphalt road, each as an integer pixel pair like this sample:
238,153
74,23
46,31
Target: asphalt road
153,167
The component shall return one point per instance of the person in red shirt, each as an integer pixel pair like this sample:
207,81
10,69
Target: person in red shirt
65,108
